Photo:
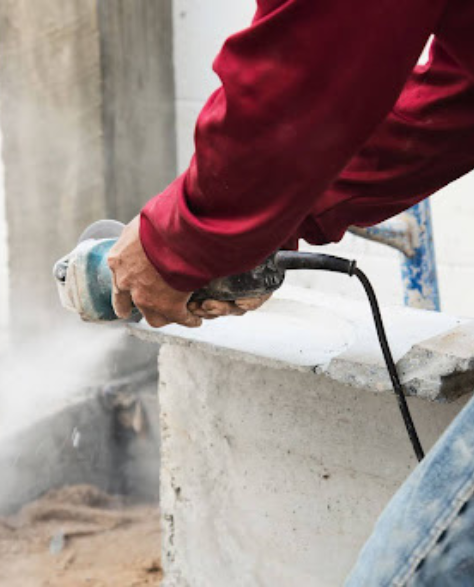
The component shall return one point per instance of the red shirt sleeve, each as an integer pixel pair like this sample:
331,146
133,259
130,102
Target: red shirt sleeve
426,142
303,88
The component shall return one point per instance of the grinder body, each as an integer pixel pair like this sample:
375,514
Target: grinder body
85,281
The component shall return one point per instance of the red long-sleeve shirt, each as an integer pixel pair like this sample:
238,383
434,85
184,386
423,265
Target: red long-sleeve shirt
311,132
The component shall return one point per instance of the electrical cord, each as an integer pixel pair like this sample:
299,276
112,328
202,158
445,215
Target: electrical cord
390,363
295,260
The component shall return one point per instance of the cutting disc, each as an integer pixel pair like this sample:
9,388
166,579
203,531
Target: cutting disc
102,229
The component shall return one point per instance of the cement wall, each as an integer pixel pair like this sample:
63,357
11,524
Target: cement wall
273,476
200,29
4,297
51,121
136,40
87,115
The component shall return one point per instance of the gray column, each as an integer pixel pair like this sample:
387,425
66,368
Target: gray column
138,94
87,117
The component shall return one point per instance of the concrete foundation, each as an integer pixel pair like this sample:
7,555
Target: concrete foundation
281,442
271,476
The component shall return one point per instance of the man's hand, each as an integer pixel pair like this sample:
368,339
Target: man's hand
136,280
211,309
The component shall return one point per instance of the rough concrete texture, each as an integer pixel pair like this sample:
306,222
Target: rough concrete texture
87,117
336,337
272,476
441,367
52,141
138,102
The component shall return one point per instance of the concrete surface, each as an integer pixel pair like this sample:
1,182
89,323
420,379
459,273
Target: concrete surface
281,441
310,331
273,476
50,117
136,43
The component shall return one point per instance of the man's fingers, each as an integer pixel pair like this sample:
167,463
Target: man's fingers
193,306
121,301
250,304
154,319
188,319
206,315
216,308
179,316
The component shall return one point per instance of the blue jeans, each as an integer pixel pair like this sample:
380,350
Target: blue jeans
425,536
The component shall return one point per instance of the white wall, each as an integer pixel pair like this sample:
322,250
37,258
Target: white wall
3,259
200,29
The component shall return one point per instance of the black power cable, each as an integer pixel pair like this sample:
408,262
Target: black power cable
390,363
294,260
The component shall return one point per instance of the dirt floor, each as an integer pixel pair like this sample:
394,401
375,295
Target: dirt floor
79,536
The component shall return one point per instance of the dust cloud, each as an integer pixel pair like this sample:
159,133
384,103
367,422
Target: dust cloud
49,369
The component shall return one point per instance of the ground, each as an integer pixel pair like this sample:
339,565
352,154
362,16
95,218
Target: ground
79,536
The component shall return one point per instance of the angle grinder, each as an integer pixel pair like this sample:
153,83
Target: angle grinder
85,283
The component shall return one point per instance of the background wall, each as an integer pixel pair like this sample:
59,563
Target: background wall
3,258
199,31
200,28
87,118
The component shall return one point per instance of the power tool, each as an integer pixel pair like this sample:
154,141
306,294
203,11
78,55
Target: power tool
85,287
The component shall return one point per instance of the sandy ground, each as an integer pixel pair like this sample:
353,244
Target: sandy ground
79,536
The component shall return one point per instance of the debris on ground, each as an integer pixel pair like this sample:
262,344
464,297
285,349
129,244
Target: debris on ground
80,536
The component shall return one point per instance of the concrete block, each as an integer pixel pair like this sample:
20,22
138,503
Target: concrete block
273,476
326,334
281,441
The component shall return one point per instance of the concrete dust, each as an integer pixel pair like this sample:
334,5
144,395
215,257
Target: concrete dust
38,375
80,536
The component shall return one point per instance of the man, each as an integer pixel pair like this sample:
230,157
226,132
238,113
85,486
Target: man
322,123
305,138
